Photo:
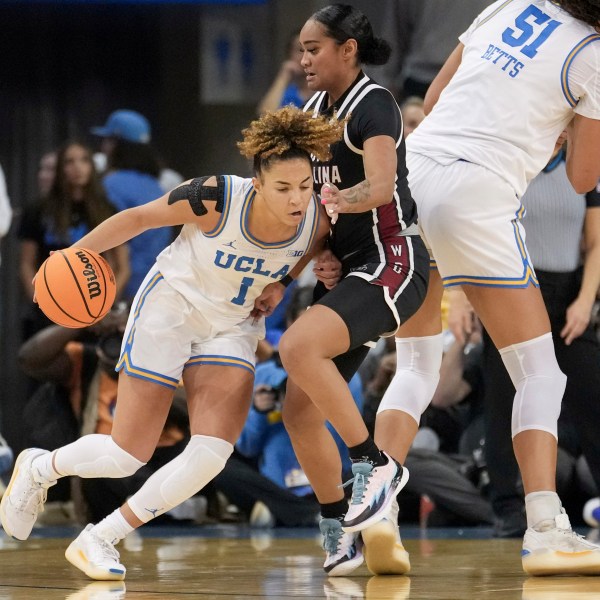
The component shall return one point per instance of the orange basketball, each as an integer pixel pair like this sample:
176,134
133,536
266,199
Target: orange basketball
75,287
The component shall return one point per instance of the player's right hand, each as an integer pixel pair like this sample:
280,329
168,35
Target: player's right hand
327,269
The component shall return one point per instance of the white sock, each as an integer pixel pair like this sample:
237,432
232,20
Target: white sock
541,506
113,528
44,472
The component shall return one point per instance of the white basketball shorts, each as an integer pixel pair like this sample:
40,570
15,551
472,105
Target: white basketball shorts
470,220
166,334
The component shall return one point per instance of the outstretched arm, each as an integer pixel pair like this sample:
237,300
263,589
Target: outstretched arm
163,212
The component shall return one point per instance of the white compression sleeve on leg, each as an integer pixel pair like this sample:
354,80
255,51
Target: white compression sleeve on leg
201,461
95,455
539,384
418,362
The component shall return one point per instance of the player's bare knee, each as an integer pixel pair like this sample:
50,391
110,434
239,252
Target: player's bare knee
293,352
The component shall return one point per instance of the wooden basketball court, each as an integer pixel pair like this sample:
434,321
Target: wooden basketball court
235,563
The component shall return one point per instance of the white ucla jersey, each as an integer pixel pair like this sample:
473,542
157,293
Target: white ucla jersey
223,271
526,68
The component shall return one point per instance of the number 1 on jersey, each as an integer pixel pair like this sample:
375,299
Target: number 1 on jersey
245,285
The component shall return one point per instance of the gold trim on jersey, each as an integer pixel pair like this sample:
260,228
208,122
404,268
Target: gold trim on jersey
564,74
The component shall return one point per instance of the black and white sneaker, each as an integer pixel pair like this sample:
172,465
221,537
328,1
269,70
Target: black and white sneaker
373,490
343,550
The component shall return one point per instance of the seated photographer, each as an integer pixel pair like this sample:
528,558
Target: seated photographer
77,396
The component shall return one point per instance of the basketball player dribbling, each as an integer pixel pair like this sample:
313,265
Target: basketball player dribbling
524,71
190,320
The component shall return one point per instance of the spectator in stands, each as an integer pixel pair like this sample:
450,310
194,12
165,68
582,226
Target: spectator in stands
46,173
412,113
131,179
74,205
129,124
289,85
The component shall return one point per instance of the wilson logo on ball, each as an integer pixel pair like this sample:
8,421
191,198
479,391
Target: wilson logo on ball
89,273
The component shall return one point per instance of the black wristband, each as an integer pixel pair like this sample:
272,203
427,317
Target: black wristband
286,280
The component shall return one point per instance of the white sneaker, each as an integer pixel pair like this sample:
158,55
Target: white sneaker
373,490
383,549
24,497
261,517
343,553
559,551
95,556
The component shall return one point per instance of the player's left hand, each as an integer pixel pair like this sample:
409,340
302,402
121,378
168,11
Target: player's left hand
577,319
461,316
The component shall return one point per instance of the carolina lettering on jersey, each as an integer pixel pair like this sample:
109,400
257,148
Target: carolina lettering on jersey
371,111
326,174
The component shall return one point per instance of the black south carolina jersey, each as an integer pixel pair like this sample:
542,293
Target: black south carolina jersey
373,111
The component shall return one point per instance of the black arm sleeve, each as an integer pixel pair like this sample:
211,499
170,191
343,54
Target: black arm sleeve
196,193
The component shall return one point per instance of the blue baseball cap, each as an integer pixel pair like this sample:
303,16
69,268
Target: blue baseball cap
126,125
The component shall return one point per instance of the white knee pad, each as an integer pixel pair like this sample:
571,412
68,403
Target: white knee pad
539,384
95,455
201,461
418,362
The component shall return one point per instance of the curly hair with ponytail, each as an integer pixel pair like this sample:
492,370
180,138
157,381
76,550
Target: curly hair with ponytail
289,133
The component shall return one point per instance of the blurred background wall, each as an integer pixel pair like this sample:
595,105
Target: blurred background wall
195,69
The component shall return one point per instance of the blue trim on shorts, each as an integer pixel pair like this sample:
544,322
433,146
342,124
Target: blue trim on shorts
126,365
220,361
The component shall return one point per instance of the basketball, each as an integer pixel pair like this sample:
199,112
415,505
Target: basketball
75,287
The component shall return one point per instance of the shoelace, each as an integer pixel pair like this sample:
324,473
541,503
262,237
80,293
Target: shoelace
564,525
41,494
106,550
360,481
331,540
